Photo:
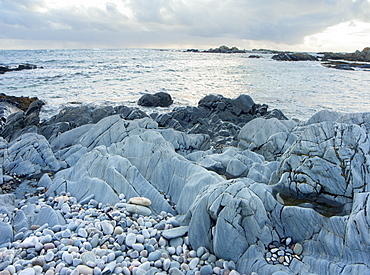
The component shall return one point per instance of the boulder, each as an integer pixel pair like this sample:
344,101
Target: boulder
160,99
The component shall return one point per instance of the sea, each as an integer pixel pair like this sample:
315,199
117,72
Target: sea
121,76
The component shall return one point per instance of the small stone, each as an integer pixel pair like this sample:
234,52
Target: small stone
206,270
193,263
288,241
175,271
82,233
130,239
118,230
27,271
138,246
87,257
83,269
298,249
155,255
138,209
166,264
281,259
140,201
107,227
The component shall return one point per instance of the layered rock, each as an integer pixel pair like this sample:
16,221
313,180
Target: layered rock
290,198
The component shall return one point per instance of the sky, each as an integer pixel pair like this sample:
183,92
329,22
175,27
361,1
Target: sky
298,25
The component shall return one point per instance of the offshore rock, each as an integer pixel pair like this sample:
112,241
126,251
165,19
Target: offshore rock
295,57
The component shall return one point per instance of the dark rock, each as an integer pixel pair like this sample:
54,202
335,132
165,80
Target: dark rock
4,69
363,55
294,57
254,56
224,49
160,99
219,117
21,102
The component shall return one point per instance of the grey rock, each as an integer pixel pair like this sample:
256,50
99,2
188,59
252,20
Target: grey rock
48,215
30,155
155,255
257,132
206,270
175,232
6,236
326,163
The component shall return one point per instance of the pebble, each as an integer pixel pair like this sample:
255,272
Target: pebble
102,239
140,201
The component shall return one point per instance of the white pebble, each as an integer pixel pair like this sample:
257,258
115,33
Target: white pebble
107,227
130,239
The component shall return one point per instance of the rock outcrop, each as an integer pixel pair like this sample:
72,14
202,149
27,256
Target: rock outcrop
289,198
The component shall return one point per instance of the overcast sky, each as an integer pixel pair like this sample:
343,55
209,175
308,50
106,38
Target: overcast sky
303,25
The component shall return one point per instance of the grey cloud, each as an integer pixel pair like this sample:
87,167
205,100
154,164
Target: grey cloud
277,21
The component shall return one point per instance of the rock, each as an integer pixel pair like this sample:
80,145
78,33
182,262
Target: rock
30,155
107,228
175,232
257,132
324,165
140,201
155,255
294,57
206,270
83,269
160,99
48,215
225,49
6,236
138,209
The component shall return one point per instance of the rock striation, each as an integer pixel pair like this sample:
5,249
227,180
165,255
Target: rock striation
112,190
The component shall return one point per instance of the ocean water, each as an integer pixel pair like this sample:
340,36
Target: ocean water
122,76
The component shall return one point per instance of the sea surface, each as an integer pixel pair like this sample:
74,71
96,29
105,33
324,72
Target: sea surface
122,76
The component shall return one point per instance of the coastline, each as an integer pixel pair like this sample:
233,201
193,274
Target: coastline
240,182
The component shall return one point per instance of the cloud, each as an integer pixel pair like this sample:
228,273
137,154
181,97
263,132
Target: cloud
115,22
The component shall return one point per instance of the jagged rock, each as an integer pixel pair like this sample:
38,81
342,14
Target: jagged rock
327,164
238,219
324,115
48,215
22,122
160,99
29,155
268,137
111,174
7,203
231,162
87,114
